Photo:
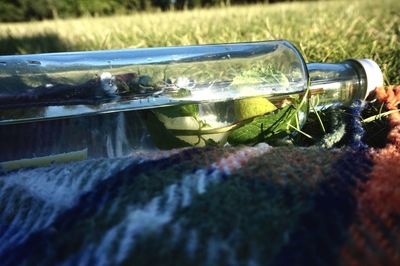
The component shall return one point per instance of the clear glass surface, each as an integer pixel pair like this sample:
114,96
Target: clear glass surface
111,103
334,85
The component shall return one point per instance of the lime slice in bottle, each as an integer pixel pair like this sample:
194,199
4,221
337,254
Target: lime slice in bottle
252,107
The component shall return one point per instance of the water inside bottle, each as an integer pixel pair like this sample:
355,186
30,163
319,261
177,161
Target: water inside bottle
118,134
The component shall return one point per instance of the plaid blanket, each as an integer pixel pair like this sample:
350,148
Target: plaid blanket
258,205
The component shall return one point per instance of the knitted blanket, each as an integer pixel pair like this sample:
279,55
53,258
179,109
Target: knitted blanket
258,205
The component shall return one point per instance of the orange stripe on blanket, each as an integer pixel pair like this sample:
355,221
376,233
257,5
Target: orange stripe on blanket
373,237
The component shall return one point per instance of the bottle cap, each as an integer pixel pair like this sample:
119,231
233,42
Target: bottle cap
373,72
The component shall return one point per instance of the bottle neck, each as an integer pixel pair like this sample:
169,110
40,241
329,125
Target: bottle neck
333,85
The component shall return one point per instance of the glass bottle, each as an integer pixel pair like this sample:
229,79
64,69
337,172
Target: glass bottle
110,103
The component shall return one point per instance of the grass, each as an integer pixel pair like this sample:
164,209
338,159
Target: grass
328,31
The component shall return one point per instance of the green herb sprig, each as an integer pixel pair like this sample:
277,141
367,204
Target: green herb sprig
271,126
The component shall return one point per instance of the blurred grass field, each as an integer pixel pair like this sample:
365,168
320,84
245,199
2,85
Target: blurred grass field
327,31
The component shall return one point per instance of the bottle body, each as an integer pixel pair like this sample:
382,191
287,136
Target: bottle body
176,96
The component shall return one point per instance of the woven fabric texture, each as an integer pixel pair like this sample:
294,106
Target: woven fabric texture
261,205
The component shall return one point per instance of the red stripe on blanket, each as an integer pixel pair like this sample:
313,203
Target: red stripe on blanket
374,235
